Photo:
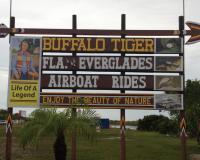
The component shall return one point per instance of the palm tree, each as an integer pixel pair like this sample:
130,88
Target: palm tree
46,121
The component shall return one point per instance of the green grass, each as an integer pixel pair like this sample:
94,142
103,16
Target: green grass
139,146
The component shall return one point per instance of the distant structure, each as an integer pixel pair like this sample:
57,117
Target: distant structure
22,114
104,123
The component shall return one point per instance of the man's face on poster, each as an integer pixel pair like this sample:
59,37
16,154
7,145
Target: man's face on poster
24,46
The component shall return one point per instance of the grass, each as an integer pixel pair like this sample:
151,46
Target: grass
139,146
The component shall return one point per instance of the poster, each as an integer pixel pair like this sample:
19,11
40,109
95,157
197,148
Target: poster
169,64
169,101
169,83
24,72
169,45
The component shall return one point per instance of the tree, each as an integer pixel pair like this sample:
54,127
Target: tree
3,114
192,107
45,121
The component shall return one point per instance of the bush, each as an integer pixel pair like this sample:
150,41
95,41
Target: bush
168,127
159,124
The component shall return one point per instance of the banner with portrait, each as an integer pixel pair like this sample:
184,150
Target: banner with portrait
24,71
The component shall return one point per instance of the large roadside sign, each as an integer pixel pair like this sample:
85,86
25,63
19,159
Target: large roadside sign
64,71
47,67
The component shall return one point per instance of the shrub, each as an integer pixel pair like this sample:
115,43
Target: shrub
158,123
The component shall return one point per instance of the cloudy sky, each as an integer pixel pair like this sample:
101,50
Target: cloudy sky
101,14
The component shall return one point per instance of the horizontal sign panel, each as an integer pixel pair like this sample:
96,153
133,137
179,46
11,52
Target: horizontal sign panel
111,45
98,100
114,101
111,82
113,63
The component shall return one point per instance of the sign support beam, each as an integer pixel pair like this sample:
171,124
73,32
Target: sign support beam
122,111
182,112
74,112
10,112
9,135
106,32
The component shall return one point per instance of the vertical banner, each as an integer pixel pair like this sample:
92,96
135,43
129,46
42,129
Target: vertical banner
24,71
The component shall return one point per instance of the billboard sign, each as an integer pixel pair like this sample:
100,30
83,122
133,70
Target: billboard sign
31,84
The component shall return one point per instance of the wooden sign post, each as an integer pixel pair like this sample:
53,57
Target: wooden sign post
9,128
74,112
182,112
122,111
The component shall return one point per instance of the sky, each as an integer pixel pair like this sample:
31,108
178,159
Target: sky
101,14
